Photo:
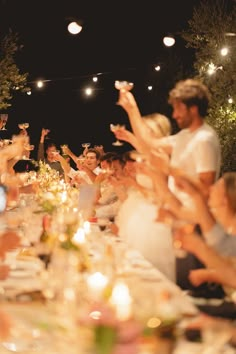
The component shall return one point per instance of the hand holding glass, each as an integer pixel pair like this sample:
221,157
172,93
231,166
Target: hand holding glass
113,128
3,119
86,145
23,125
124,85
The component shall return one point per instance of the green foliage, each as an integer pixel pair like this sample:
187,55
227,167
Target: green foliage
105,339
210,29
10,77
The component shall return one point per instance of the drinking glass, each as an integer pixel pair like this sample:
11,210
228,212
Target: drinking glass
86,145
3,119
113,128
124,85
23,125
64,148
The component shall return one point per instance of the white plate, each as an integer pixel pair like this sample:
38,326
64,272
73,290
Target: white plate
22,273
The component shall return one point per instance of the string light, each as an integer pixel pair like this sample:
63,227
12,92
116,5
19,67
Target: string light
169,41
224,51
74,27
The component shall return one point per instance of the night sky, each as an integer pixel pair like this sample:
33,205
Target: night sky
120,40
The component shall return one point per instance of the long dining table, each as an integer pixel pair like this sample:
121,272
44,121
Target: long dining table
47,303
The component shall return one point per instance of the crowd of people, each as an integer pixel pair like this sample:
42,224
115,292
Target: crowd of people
165,195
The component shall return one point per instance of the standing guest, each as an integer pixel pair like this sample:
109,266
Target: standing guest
195,149
51,151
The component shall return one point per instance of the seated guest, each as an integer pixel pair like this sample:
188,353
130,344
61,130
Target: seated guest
88,167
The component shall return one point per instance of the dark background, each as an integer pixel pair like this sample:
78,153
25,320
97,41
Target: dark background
120,40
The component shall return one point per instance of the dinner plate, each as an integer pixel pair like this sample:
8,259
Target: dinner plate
22,273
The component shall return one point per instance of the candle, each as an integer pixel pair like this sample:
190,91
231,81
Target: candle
122,301
79,237
87,227
97,283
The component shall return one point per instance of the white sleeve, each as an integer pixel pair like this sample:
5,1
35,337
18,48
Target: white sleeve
207,156
71,173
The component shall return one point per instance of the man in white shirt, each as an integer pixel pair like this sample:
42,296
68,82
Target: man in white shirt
88,167
195,149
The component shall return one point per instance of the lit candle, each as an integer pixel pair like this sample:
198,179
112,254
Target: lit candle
122,301
97,283
87,227
79,237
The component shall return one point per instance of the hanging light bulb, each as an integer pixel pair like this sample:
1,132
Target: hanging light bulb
74,27
169,41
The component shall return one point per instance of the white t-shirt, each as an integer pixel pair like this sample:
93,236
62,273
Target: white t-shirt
195,152
72,173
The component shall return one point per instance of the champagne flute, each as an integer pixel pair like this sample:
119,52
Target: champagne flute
3,119
113,128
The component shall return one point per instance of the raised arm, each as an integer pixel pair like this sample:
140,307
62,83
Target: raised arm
140,129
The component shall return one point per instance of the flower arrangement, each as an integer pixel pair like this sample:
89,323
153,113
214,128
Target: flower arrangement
111,335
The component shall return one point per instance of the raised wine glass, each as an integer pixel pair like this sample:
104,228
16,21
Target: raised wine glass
23,126
3,119
124,85
64,148
86,145
113,128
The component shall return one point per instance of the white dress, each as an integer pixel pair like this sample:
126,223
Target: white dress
137,226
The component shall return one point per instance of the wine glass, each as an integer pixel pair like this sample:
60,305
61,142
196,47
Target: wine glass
124,85
3,119
86,145
113,128
23,125
64,148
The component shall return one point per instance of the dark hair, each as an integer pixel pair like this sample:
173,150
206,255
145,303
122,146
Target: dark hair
108,156
96,152
127,156
192,93
119,158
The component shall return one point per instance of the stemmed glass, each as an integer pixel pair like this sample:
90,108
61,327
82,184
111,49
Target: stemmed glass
86,145
113,128
23,125
64,148
3,119
124,85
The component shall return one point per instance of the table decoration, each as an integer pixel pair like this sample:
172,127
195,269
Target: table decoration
110,335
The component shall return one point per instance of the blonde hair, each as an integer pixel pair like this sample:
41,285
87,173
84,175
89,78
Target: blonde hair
158,123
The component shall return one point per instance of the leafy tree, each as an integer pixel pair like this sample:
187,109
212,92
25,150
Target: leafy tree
213,27
10,77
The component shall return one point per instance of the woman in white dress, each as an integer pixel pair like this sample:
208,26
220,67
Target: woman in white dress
136,219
